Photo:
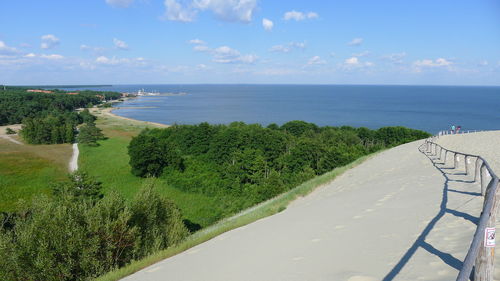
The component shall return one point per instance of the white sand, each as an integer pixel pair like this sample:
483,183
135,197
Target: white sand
383,220
485,144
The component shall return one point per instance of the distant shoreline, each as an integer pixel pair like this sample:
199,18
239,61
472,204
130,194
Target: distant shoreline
109,112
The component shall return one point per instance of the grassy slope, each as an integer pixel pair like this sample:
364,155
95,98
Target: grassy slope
28,170
109,164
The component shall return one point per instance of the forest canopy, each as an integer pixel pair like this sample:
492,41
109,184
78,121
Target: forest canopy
251,163
16,103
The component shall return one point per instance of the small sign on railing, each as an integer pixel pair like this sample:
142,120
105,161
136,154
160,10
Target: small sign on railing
489,237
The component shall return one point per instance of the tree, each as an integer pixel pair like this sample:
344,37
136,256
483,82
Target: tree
89,134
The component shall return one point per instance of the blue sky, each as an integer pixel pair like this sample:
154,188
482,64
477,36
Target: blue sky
249,41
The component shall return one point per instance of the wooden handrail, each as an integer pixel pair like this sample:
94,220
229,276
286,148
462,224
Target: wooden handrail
479,255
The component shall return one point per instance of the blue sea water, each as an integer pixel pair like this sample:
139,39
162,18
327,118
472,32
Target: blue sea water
429,108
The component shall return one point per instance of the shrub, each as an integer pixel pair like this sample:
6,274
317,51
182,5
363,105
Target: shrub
73,237
9,131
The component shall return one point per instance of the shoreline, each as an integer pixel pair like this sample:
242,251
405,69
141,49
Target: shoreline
109,112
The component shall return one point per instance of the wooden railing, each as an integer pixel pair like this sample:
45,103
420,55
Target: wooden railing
451,132
481,254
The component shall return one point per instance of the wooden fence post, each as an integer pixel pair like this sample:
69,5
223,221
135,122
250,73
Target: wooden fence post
466,163
477,170
484,180
485,260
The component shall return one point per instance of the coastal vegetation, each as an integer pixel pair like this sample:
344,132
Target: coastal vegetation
18,103
77,233
245,164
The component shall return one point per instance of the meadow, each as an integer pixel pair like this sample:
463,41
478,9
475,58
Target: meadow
29,170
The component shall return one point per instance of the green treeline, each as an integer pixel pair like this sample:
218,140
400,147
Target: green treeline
78,234
246,164
16,103
60,127
48,118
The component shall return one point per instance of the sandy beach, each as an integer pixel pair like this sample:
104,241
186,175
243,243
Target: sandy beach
109,113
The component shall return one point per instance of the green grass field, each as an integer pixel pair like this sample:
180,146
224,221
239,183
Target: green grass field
30,170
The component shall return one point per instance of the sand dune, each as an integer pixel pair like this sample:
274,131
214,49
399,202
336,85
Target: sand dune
398,216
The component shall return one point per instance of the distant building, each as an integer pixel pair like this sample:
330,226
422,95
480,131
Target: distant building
73,93
39,91
100,97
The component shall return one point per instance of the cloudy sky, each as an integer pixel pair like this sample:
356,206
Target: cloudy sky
424,42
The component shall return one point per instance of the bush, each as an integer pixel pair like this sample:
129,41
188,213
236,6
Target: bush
9,131
74,237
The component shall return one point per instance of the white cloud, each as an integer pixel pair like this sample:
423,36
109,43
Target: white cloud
483,63
119,44
103,60
299,16
316,60
354,62
355,42
267,24
177,12
362,54
225,54
226,10
280,49
288,47
439,62
229,10
201,48
248,59
6,50
396,58
51,57
119,3
197,42
44,56
49,41
97,51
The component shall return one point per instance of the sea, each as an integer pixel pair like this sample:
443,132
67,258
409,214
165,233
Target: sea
428,108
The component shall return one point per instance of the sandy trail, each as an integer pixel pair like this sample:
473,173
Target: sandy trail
9,138
73,163
394,217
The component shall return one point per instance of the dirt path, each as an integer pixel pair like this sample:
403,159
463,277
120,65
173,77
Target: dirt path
73,163
395,217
